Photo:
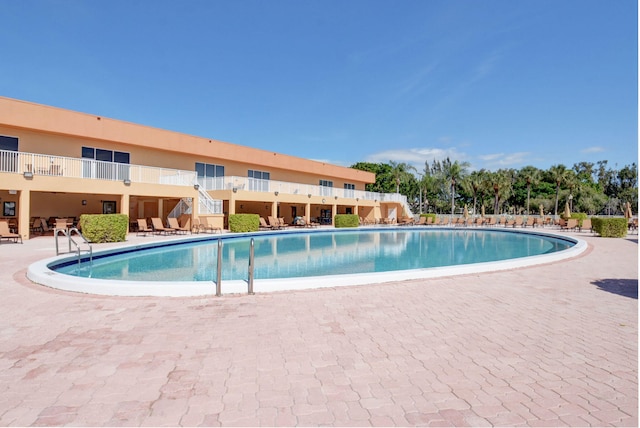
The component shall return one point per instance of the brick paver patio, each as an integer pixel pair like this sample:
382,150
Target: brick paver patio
552,345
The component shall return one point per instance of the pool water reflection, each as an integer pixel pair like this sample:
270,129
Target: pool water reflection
335,252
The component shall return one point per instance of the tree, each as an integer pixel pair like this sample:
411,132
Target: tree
400,173
531,176
454,171
474,183
500,181
558,174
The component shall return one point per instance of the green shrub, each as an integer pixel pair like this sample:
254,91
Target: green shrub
241,223
610,227
99,228
346,220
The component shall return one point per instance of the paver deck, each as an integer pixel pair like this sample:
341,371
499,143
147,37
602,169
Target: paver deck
551,345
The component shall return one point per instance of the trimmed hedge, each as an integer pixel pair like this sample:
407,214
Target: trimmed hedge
610,227
347,220
99,228
241,223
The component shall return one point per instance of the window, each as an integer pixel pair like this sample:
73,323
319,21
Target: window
8,143
8,161
326,187
349,190
209,175
105,168
258,180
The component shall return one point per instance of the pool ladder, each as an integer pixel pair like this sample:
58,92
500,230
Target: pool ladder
68,232
219,269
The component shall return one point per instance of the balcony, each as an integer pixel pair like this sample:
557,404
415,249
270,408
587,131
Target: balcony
31,164
286,188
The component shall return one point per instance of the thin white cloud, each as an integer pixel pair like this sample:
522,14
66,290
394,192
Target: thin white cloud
416,156
594,149
494,161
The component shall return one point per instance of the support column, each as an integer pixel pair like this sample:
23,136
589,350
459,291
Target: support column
307,213
24,209
124,204
334,211
160,207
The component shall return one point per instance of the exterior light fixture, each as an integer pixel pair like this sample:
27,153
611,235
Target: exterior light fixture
127,182
84,202
235,190
324,200
276,193
309,195
336,197
28,175
196,186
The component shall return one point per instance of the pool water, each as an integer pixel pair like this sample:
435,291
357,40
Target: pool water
294,255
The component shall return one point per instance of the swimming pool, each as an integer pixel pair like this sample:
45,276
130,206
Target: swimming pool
302,259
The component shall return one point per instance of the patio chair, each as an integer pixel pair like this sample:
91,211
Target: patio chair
44,225
274,222
264,225
173,224
586,225
8,235
570,224
143,228
159,228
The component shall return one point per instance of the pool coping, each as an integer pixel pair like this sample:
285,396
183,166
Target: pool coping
39,272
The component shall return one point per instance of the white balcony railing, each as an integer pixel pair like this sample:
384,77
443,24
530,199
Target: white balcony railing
38,164
47,165
287,188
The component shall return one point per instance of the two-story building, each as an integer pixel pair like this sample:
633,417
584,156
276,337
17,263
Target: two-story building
60,163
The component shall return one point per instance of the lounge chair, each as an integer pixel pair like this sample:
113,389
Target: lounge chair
274,222
407,221
44,225
570,224
491,221
422,221
530,222
264,225
5,233
143,228
283,225
173,224
159,228
586,225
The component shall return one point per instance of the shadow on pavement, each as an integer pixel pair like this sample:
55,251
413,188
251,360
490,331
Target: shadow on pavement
623,287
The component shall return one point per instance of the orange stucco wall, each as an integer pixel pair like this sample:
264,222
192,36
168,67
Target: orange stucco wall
50,130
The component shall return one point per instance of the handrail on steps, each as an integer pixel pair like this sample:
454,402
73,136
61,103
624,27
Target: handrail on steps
68,232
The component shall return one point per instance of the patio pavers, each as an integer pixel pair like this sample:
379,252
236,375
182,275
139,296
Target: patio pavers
551,345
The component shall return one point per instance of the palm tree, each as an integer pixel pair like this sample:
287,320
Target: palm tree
454,171
400,172
531,176
558,174
473,184
500,182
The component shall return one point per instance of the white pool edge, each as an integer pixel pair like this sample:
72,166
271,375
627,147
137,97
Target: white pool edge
39,273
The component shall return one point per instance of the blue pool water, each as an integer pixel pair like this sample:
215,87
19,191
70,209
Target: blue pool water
317,253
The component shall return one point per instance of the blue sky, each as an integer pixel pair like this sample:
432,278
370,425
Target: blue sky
496,83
